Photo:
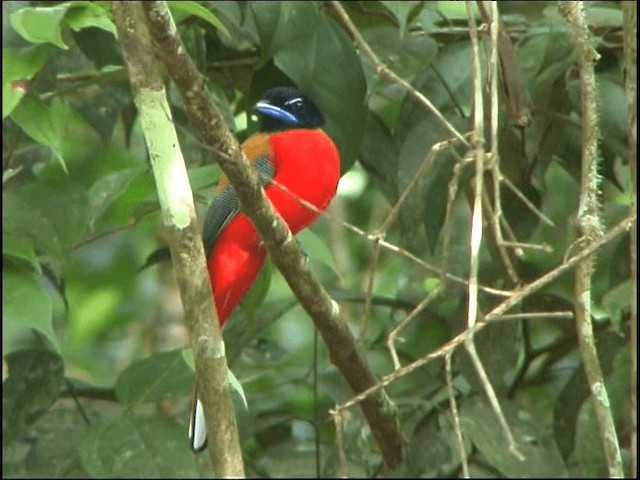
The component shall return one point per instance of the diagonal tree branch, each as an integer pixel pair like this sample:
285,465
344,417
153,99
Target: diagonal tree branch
278,241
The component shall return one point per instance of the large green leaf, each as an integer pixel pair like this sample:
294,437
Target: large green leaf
38,121
90,14
34,383
54,214
19,66
41,24
162,376
138,447
194,8
402,11
541,457
25,305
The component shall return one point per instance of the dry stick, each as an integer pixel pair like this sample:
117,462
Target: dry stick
389,246
589,228
514,85
373,262
630,32
342,457
178,214
491,17
622,227
277,239
455,416
527,202
496,221
476,228
537,315
385,72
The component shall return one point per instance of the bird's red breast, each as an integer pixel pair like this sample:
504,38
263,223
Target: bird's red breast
307,167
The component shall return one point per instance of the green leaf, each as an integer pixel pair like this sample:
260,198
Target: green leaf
26,225
52,214
37,121
92,311
427,202
25,305
498,348
19,66
194,8
616,301
138,447
34,383
379,156
41,24
236,386
89,14
401,11
430,284
18,247
59,433
541,456
204,177
162,376
559,201
316,248
107,189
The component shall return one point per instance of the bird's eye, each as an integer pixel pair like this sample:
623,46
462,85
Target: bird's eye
296,105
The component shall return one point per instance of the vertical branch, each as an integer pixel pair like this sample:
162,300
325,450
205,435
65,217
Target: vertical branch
630,25
476,231
589,229
496,176
178,214
455,416
478,152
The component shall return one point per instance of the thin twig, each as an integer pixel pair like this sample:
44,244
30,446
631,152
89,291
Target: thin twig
622,227
455,416
527,202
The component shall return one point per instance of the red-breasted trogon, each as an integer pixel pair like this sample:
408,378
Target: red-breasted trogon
291,151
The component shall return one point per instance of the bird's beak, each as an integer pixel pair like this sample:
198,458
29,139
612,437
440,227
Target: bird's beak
278,113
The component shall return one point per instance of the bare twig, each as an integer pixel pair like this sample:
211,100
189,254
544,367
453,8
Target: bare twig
455,416
526,201
622,227
342,457
589,228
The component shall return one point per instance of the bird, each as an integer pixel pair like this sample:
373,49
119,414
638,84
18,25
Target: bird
295,160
